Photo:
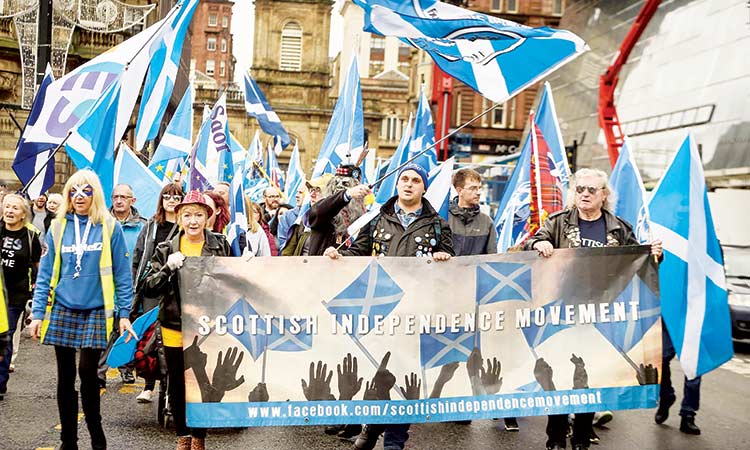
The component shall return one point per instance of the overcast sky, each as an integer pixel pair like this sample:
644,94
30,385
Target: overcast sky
243,13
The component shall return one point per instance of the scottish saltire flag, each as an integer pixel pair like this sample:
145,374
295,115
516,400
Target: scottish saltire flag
146,186
257,106
282,339
440,189
273,169
501,282
345,137
546,119
631,194
175,144
32,156
372,293
496,57
546,192
165,53
295,177
694,307
254,343
231,160
387,188
626,334
197,171
238,215
424,136
213,138
438,349
553,323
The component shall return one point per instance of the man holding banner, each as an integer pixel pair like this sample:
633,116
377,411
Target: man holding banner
586,223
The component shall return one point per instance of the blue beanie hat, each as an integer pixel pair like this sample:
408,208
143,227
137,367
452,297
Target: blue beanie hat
419,169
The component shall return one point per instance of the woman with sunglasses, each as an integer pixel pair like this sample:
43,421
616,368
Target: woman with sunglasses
84,289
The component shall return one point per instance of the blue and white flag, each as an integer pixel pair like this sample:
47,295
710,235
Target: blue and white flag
625,334
631,194
424,136
694,308
212,140
496,57
165,53
30,157
372,293
273,170
176,143
145,185
295,177
387,188
237,225
198,178
553,323
441,187
440,348
345,137
502,282
257,106
255,343
293,336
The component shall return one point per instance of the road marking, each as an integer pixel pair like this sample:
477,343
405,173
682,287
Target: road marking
738,365
59,425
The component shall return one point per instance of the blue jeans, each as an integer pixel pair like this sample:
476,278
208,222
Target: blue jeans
14,312
395,436
692,389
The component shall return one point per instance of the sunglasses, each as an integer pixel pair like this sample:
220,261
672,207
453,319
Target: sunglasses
168,197
81,191
592,189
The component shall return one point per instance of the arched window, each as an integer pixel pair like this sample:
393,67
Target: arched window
291,47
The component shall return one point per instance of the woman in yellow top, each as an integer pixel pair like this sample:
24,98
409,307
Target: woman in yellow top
192,240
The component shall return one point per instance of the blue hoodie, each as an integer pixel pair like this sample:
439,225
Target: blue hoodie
84,292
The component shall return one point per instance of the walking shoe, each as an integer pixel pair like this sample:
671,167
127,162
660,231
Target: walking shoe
184,442
511,424
662,413
688,426
594,438
198,443
368,438
146,396
349,432
602,418
127,377
12,368
333,429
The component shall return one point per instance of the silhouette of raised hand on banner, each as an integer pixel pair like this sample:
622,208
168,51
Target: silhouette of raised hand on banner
349,384
446,374
543,374
194,357
580,377
319,387
647,374
383,380
474,363
491,379
225,374
413,386
258,394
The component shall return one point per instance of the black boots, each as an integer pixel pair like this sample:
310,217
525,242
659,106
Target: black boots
662,413
688,426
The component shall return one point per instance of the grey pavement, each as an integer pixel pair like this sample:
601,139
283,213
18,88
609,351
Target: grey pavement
28,417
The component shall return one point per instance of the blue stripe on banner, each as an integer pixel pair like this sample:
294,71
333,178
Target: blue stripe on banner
245,414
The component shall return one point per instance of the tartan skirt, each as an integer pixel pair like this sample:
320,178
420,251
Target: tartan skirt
77,328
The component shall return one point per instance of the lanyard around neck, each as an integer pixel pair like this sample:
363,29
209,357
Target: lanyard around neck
80,243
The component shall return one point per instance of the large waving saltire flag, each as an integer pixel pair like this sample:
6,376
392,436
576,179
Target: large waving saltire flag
212,140
344,139
174,146
257,106
30,157
694,307
145,185
295,177
424,136
496,57
165,54
440,189
631,194
238,214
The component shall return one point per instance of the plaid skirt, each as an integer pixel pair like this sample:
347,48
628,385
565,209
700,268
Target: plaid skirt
76,328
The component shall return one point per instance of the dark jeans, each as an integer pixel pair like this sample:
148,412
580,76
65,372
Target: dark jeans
14,312
692,388
395,436
67,397
557,429
176,387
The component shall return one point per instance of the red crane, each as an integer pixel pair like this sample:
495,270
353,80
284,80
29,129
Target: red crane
608,119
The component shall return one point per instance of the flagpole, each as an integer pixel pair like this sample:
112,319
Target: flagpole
263,364
424,382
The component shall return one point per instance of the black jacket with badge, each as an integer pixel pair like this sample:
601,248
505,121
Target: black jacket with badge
385,236
561,229
473,232
320,219
162,283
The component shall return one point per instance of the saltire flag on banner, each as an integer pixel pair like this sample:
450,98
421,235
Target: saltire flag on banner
694,308
440,189
372,293
283,340
165,54
130,170
546,192
344,139
387,187
295,177
257,106
254,343
175,143
237,225
496,57
624,335
440,348
501,282
536,335
631,194
30,157
424,136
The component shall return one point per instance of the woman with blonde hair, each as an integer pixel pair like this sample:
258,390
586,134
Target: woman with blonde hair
83,273
257,239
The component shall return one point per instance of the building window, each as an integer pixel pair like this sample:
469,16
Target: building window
222,68
558,6
210,67
291,47
495,118
390,129
511,5
225,22
377,42
211,44
223,45
496,5
213,20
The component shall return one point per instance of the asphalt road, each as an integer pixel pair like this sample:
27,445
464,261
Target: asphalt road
28,419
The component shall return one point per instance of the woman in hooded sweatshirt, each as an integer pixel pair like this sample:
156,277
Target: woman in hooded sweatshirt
85,270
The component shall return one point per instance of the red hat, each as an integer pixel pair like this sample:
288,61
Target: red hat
194,197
